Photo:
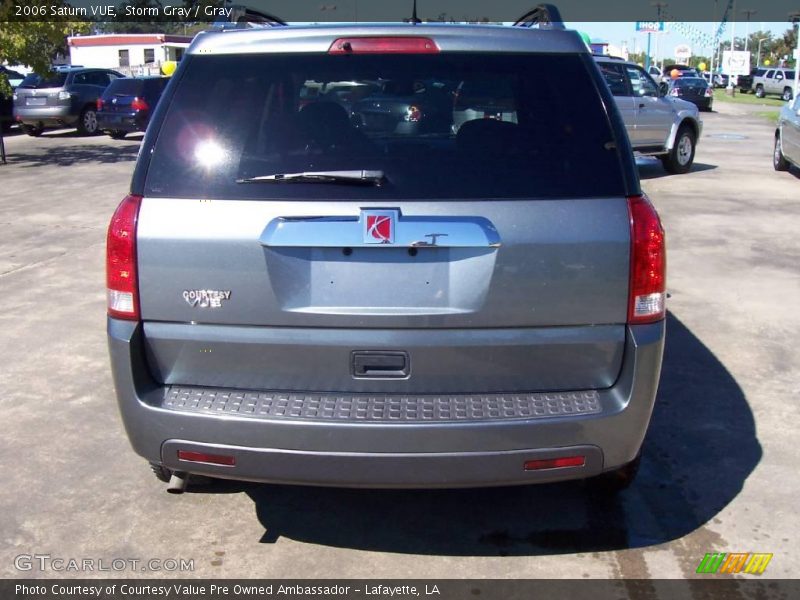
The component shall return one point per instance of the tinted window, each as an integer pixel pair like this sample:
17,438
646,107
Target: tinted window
641,83
615,78
432,123
690,82
125,87
50,80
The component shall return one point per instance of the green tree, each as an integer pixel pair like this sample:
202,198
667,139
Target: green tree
33,43
784,46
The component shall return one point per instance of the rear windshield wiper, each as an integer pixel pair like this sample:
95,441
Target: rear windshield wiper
355,177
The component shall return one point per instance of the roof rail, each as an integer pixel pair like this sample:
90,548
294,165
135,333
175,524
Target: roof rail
544,15
242,17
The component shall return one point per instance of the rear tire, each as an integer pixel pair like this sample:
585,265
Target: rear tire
618,480
117,135
33,130
787,94
680,158
759,91
779,161
87,123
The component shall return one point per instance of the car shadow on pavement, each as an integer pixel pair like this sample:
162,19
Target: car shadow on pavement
654,170
700,449
67,156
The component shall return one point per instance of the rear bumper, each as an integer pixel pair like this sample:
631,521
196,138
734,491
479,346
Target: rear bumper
121,122
342,450
46,115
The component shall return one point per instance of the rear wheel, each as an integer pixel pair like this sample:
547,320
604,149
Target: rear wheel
787,94
117,135
779,161
681,157
759,91
33,130
87,124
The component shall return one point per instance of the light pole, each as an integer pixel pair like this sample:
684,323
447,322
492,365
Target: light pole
658,6
749,13
758,56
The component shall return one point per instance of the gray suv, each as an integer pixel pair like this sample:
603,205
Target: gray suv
301,297
64,97
657,124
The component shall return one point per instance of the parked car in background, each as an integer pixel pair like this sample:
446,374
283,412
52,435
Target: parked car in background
692,89
779,81
745,82
403,106
658,125
64,97
717,80
787,137
297,297
6,100
126,104
683,70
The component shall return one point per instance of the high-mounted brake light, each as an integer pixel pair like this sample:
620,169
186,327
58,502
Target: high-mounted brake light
122,285
139,104
384,45
648,278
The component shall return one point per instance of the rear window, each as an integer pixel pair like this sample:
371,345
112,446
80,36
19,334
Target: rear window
51,80
438,126
690,82
125,87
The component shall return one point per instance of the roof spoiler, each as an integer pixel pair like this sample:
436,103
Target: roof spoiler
543,15
242,17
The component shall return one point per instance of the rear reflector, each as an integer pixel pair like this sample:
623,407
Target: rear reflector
648,278
121,282
384,45
202,457
555,463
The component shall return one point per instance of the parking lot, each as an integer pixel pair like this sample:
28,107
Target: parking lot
719,467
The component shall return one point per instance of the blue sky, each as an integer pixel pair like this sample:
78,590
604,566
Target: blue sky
616,33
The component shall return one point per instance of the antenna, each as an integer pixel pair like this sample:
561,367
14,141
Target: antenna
414,19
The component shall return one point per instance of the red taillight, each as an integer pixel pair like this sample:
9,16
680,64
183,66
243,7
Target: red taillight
122,287
202,457
555,463
675,92
100,104
139,104
709,92
648,279
384,45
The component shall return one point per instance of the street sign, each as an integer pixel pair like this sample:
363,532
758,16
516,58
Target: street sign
650,26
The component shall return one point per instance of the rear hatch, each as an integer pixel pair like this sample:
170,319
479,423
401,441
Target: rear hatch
488,257
119,96
36,91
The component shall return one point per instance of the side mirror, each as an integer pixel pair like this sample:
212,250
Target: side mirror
778,76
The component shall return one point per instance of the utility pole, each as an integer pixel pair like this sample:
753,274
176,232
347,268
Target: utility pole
758,56
749,12
730,89
795,19
659,6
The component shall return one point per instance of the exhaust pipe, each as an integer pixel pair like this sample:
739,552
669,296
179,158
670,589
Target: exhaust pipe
177,483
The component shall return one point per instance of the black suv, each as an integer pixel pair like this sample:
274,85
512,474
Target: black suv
61,98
